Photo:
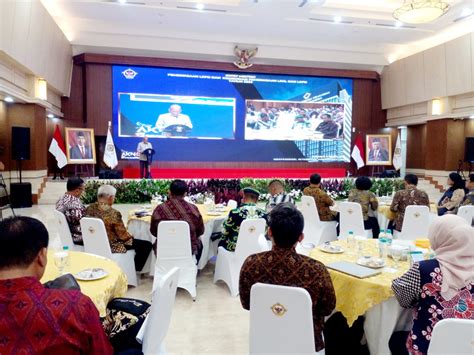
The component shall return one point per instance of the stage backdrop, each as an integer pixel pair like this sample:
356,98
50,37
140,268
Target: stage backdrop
198,115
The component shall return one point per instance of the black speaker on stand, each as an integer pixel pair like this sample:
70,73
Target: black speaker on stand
20,193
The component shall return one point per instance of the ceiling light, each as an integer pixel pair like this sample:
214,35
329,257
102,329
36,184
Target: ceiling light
398,24
471,117
50,115
200,6
8,99
122,1
466,12
420,11
337,19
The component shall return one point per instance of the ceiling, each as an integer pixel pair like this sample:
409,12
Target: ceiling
287,32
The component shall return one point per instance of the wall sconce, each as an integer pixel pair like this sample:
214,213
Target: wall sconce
41,89
436,107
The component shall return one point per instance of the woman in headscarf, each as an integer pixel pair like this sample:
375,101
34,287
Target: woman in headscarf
442,287
453,196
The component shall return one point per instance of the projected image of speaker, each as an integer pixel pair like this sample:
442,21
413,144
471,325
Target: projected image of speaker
20,143
469,150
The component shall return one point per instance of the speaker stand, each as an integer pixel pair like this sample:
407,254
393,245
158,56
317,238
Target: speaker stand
18,164
83,169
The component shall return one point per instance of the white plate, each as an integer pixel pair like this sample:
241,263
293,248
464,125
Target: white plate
213,213
331,249
91,274
372,262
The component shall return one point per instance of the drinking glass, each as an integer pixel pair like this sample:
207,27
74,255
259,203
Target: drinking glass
60,260
397,253
360,240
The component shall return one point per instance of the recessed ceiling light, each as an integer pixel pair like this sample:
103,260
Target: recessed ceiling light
50,115
122,1
466,12
471,117
337,19
8,99
398,24
200,6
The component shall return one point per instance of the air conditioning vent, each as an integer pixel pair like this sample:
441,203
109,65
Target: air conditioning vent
330,21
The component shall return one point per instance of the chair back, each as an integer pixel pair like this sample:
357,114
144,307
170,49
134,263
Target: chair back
452,336
232,204
467,212
351,219
249,239
281,320
95,237
174,240
63,230
312,223
416,223
155,327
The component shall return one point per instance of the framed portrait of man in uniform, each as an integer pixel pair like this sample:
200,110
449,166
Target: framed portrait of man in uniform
378,149
80,147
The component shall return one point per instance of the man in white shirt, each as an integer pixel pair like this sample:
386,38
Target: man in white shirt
182,123
142,146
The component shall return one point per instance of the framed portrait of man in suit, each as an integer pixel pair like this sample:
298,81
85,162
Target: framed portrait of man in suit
80,147
378,149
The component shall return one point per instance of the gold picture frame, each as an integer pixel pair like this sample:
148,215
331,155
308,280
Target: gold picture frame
378,149
80,146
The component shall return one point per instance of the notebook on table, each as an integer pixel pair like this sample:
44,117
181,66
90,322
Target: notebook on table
353,269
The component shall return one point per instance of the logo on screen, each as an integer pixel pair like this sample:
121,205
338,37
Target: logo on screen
129,73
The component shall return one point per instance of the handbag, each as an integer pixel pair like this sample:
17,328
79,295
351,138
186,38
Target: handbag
63,282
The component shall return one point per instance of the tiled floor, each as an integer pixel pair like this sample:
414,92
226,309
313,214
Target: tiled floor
214,324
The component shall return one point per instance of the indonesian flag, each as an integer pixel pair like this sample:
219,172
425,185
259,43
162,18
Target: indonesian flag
397,154
58,148
110,157
358,152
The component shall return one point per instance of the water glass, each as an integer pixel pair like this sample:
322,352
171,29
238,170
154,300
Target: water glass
61,259
397,252
360,240
350,242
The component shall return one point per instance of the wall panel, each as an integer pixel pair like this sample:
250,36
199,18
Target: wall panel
416,153
435,72
414,78
459,66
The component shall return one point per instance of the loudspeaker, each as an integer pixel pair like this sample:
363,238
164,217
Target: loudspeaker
20,143
20,194
109,174
469,150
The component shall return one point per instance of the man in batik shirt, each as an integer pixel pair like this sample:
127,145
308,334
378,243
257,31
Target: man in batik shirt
71,206
284,266
323,201
177,209
248,209
408,197
278,195
35,319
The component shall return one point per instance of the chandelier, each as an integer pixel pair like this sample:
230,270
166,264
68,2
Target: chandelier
420,11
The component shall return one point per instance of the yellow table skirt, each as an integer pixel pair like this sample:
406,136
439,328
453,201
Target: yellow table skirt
385,210
355,296
100,291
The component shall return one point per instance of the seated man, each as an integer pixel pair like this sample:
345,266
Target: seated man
248,209
71,206
284,266
177,209
404,198
469,198
323,201
119,238
34,319
278,195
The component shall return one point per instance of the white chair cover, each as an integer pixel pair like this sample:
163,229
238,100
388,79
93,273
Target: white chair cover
467,212
416,223
96,242
315,231
281,320
174,250
351,219
452,336
232,204
155,327
65,233
229,263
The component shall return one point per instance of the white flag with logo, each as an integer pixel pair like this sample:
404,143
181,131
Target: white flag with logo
110,157
397,154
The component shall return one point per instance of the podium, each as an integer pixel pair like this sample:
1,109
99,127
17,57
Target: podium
149,157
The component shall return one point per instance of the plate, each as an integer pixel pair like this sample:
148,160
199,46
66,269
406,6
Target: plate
91,274
331,249
213,213
371,261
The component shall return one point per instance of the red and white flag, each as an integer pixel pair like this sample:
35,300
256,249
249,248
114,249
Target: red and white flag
58,148
358,152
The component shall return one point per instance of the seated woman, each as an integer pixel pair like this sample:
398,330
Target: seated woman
453,196
442,287
368,202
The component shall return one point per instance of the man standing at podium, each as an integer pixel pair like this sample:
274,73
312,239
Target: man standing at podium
142,146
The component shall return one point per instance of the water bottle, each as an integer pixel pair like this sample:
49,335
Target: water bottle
350,241
383,244
389,236
67,262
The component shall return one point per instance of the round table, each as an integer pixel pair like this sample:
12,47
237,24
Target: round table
100,291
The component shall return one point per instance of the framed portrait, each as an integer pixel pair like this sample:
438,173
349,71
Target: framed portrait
80,147
378,149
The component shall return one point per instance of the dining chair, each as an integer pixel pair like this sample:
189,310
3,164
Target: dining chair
452,336
315,231
467,212
96,242
154,329
229,263
351,219
65,233
281,320
174,249
416,223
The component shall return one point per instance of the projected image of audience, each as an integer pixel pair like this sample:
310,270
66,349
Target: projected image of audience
285,120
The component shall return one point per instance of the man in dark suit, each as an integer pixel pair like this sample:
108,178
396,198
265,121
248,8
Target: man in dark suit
328,127
377,153
81,150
